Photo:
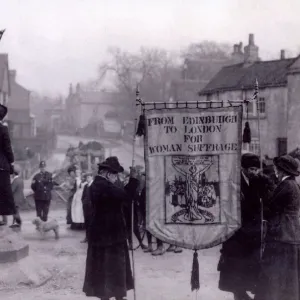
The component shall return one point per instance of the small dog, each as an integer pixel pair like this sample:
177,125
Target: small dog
44,227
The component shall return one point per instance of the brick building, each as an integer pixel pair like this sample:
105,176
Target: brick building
279,92
23,123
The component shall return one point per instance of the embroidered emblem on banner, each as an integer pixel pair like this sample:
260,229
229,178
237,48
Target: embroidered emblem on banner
192,191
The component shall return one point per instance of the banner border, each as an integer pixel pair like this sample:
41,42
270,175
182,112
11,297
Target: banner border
147,112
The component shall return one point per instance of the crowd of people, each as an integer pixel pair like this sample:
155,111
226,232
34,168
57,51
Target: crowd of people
262,257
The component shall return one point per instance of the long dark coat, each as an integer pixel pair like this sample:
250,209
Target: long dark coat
280,275
239,264
108,272
7,205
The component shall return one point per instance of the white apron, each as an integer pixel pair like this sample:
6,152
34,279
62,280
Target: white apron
77,209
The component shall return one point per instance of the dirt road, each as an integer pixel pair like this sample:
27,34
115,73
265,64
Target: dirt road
161,278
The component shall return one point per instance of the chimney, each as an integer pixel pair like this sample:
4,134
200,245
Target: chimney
240,47
237,54
282,54
70,89
235,48
77,88
251,51
251,39
13,74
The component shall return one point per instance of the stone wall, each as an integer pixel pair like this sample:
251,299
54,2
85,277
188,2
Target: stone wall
273,124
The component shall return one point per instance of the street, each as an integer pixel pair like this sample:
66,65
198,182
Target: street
165,277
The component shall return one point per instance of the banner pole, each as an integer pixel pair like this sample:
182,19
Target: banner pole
261,167
137,93
184,104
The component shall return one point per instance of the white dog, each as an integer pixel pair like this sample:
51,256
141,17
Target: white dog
44,227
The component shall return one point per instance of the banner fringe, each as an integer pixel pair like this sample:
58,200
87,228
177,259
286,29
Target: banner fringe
195,281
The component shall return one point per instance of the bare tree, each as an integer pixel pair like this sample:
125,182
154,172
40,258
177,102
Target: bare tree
149,68
209,50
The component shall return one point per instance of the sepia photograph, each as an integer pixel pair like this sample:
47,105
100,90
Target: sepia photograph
149,150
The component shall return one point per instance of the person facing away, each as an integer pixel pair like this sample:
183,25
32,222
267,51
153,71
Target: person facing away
108,271
7,205
86,204
42,186
240,255
280,272
17,186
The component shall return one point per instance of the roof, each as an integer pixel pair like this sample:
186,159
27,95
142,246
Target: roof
19,97
240,76
204,69
186,90
101,97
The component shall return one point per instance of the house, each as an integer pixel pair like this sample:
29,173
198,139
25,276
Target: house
4,79
279,92
85,108
23,123
195,74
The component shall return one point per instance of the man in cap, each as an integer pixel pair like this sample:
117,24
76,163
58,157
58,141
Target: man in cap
42,185
240,255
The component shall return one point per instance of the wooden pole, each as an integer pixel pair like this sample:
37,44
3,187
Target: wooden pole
261,167
132,204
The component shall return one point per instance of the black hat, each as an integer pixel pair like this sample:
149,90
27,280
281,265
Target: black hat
112,164
42,164
288,164
250,160
71,169
3,111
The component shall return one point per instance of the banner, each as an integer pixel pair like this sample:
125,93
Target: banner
193,174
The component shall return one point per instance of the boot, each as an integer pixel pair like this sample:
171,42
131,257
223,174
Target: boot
171,248
159,251
148,249
143,246
177,250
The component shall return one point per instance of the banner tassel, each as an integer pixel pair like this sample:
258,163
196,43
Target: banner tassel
195,281
141,126
247,134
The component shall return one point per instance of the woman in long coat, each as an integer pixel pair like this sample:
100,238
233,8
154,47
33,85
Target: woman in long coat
239,263
108,273
7,205
280,275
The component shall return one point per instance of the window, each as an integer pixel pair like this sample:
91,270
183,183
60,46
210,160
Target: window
249,108
262,106
253,147
281,146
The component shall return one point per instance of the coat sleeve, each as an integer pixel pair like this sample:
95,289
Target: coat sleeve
7,149
14,186
280,193
33,183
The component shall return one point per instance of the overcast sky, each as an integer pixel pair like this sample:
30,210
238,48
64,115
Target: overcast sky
54,42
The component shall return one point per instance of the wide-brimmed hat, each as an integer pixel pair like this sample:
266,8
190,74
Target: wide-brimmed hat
250,160
112,164
288,164
3,111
